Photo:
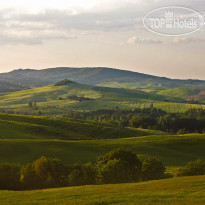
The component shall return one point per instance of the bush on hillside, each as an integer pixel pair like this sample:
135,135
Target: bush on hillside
64,82
9,176
82,175
43,173
118,166
152,169
192,168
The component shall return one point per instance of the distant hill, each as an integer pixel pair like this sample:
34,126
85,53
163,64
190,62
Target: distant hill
68,95
94,76
9,87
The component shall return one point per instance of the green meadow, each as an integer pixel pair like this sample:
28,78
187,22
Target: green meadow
25,138
180,92
54,100
30,127
173,151
175,191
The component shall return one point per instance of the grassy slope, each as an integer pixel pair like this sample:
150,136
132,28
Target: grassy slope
9,87
28,127
175,191
37,136
180,92
173,150
103,98
47,96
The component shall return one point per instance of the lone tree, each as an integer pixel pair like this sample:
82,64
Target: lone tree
118,166
35,106
30,104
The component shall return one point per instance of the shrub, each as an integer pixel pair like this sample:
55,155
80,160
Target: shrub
82,175
192,168
44,172
120,165
9,176
152,169
28,178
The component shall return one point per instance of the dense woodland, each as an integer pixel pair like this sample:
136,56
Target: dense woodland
191,121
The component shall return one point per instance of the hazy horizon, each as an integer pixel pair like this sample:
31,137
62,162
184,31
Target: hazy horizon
96,33
100,67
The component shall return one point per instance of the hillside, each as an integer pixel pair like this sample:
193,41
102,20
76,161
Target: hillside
188,93
67,95
180,92
28,127
9,87
59,137
175,191
95,76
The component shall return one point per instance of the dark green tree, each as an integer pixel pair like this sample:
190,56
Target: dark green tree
120,165
30,104
152,169
192,168
82,175
9,176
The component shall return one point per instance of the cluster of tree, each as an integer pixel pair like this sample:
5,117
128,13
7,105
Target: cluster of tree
191,121
64,82
80,99
192,168
118,166
76,98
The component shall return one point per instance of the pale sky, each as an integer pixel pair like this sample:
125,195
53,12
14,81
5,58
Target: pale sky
92,33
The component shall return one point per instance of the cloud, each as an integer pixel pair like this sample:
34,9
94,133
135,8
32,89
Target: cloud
58,24
30,37
183,40
20,26
136,40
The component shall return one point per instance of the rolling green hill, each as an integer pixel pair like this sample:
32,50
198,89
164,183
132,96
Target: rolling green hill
63,97
9,87
58,137
174,151
188,93
175,191
28,127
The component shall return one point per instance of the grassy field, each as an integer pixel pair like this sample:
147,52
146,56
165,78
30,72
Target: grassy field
173,151
175,191
29,127
62,138
176,107
27,138
180,92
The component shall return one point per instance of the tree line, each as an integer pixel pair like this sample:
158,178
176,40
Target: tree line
191,121
118,166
